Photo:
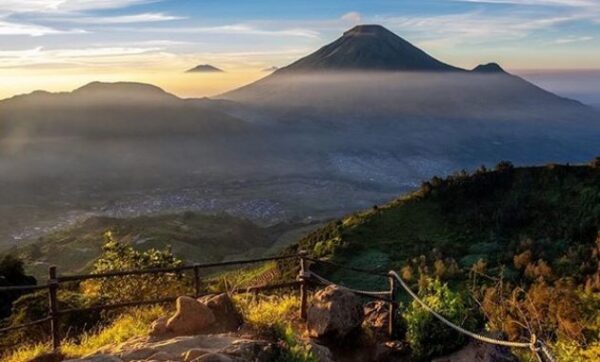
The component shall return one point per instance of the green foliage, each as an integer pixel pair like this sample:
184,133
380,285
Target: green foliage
12,273
195,237
118,256
294,350
427,336
32,307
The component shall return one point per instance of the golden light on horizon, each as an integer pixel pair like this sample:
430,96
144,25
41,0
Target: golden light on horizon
185,85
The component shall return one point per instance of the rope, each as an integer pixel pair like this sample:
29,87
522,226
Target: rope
358,291
533,344
537,347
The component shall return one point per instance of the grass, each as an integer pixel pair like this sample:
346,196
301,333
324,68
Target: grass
266,312
135,322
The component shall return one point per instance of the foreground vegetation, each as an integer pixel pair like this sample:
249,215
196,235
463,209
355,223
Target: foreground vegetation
515,251
523,243
193,236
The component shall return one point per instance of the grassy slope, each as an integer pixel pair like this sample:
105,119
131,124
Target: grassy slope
489,215
193,237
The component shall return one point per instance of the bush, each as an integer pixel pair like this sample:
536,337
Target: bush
118,256
12,273
426,335
34,306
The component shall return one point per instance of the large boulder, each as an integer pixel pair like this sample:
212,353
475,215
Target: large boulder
227,318
190,318
334,314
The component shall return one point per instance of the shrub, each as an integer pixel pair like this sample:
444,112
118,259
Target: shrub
118,256
426,335
12,273
34,306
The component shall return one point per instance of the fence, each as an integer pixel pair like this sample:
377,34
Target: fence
304,278
54,282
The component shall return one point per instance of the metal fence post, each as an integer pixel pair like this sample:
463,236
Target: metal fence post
53,308
303,284
196,280
392,305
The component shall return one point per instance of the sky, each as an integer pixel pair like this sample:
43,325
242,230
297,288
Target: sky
59,45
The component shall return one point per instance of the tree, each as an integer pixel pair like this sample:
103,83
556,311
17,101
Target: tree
118,256
12,272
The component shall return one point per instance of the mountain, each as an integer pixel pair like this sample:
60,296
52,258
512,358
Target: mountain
110,109
370,73
204,68
369,48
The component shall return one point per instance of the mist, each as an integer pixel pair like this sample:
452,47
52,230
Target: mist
297,146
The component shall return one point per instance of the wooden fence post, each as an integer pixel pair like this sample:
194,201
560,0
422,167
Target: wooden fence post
196,281
303,284
53,308
392,305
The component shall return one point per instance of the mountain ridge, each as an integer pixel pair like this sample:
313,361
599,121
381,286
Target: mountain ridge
368,47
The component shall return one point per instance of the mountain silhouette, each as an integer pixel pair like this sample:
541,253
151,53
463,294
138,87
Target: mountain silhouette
111,109
369,47
204,68
370,73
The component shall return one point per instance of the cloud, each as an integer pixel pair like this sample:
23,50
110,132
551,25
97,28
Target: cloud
475,27
234,29
573,39
93,56
57,6
123,19
10,28
353,17
572,3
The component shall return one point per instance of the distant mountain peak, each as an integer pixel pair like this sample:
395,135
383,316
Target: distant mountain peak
368,48
489,68
120,86
204,68
367,29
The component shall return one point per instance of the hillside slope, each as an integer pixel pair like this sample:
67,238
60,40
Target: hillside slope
552,212
193,237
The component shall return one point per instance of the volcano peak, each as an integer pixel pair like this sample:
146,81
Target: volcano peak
368,48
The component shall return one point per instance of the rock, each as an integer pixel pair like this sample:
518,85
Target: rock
321,353
97,358
334,314
137,354
377,314
214,357
251,350
227,318
159,327
190,318
162,356
476,351
190,355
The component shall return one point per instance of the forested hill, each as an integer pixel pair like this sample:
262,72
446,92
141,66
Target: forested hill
520,246
551,213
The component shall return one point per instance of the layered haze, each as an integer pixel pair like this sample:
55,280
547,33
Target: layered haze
353,124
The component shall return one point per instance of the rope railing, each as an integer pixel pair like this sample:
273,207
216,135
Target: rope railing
535,345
